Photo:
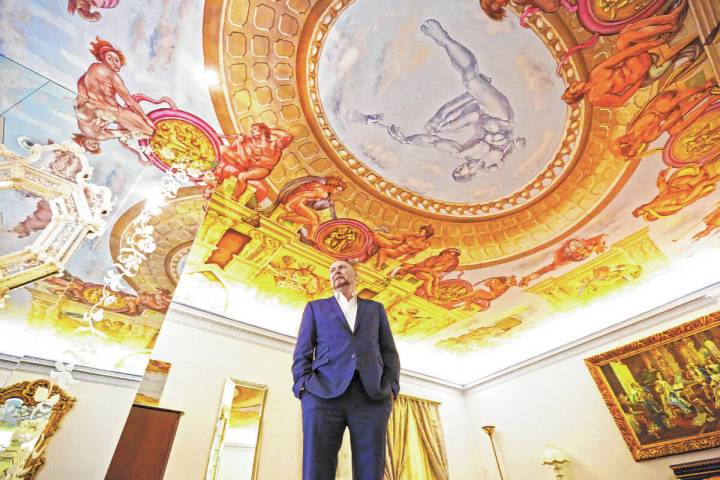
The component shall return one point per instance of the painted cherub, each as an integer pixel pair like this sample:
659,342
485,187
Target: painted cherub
401,247
84,8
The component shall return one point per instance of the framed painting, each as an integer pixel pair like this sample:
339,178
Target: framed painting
664,391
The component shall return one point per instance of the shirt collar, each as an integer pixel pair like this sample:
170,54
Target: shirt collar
340,297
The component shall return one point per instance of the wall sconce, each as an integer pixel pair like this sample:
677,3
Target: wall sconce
555,457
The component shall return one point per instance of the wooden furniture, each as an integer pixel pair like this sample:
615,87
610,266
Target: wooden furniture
144,447
701,470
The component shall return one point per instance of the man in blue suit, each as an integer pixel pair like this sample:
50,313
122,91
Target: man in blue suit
346,372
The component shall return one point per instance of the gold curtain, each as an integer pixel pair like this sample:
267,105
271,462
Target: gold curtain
415,442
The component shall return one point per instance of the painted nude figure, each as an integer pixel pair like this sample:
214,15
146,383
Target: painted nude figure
431,270
679,189
615,80
670,111
251,158
482,109
84,8
401,247
573,250
303,198
482,298
97,104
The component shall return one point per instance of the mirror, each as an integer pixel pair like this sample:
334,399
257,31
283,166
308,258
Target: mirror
238,431
30,413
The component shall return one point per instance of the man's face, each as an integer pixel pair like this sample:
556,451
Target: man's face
92,146
341,275
256,132
112,60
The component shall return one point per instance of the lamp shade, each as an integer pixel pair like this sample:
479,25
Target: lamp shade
553,455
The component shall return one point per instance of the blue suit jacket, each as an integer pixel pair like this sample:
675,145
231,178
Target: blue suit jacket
327,351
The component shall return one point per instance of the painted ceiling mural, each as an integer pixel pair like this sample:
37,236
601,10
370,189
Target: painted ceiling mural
508,176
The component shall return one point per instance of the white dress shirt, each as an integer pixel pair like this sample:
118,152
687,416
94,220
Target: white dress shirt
348,307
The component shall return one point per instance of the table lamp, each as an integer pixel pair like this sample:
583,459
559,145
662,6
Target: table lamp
555,457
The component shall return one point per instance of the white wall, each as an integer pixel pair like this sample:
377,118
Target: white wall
201,360
85,442
559,403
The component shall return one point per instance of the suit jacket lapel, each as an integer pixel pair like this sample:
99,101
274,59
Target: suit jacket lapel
360,309
338,312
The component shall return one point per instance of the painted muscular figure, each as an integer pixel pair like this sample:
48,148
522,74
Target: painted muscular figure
97,106
670,111
615,80
573,250
251,158
431,270
481,298
482,109
402,247
303,198
680,188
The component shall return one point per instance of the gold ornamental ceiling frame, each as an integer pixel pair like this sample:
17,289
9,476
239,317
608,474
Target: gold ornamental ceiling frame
312,41
260,50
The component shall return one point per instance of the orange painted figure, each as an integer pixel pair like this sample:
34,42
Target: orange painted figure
303,198
481,298
679,189
90,293
572,250
251,158
86,8
670,111
712,223
495,9
100,116
615,80
402,247
431,270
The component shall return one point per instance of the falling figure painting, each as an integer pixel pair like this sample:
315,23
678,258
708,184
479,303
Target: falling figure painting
482,110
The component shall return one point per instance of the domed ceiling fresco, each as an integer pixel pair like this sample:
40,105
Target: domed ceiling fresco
507,177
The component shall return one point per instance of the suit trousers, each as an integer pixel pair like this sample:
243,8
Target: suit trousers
324,422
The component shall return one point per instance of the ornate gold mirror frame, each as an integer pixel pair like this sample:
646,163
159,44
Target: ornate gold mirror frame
240,416
30,413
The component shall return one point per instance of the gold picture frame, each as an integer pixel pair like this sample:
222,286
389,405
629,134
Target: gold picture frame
31,404
663,391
